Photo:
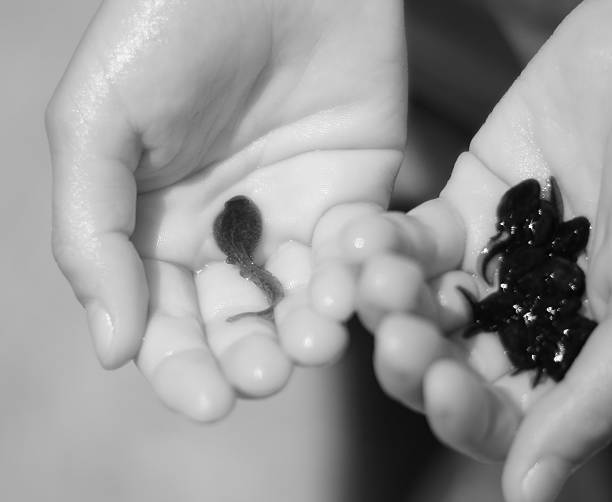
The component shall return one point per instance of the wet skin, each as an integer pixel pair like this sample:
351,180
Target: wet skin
540,287
237,231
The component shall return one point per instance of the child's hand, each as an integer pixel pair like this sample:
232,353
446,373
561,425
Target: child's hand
169,109
556,120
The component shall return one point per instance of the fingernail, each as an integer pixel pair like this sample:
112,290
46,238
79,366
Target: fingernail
544,480
102,329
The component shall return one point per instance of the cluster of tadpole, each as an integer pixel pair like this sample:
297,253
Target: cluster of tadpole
536,308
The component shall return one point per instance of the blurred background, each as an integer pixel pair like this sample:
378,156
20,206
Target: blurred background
71,431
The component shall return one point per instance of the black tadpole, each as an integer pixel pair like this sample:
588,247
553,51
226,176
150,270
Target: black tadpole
237,231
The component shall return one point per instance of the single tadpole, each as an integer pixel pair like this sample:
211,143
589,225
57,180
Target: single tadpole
237,231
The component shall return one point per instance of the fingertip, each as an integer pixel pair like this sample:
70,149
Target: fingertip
542,482
450,396
552,442
312,339
327,238
117,315
256,366
468,415
108,278
368,236
453,310
113,348
191,384
102,330
405,347
332,290
393,283
455,406
291,263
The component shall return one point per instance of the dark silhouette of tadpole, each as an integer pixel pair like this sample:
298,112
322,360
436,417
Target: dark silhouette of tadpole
237,231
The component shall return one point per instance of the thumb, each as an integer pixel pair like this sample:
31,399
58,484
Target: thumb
567,426
94,155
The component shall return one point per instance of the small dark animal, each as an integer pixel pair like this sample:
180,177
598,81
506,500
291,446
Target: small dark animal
237,231
535,309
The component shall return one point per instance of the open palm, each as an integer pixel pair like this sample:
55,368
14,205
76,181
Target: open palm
556,121
169,109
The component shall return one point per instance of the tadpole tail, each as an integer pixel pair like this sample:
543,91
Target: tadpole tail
537,378
494,248
267,314
468,296
554,196
473,328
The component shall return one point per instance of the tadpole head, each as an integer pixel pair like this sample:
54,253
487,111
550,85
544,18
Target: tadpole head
238,227
518,204
571,238
542,226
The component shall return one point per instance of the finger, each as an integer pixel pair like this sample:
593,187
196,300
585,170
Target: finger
93,155
310,338
453,311
174,356
467,413
368,236
432,234
332,289
405,346
248,348
392,283
565,427
328,235
310,319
